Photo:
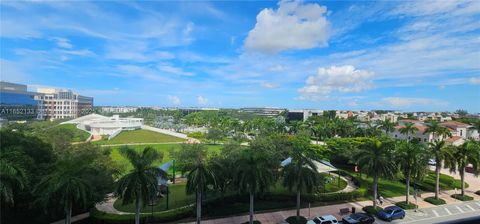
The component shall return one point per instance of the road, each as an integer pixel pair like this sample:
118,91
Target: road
442,214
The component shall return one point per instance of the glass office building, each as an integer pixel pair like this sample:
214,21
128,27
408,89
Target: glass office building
16,103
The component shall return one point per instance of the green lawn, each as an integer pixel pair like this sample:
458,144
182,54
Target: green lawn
139,136
163,149
78,134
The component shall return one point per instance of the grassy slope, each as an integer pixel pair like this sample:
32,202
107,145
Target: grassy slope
79,135
140,136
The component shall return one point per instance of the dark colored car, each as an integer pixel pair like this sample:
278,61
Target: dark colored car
391,212
358,218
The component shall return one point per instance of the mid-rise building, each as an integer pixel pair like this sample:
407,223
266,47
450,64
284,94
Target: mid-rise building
62,103
263,111
17,103
119,110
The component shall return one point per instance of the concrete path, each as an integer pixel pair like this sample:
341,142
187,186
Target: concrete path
107,206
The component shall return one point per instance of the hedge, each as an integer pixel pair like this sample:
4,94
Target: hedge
370,210
477,192
293,220
462,198
433,200
404,205
99,217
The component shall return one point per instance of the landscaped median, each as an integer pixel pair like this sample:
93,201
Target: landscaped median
434,201
462,197
99,217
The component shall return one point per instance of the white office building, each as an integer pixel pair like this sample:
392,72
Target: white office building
101,125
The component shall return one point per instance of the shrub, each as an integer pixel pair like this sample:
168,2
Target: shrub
433,200
404,205
254,222
370,210
293,220
164,216
462,198
477,192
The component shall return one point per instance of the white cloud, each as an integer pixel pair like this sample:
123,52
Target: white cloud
202,100
268,85
293,25
63,42
173,70
174,100
401,102
342,79
474,81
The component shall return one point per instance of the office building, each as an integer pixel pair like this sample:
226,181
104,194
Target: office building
17,103
62,104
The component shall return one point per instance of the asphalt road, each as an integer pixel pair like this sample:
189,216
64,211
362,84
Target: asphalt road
467,212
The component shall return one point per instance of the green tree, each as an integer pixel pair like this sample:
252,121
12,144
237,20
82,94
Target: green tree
12,179
301,174
412,161
66,186
437,130
214,134
467,153
408,129
255,172
387,126
461,112
198,179
439,151
375,157
141,183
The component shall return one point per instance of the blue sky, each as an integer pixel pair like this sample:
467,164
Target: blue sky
402,55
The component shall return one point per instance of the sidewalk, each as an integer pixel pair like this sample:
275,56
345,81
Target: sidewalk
279,216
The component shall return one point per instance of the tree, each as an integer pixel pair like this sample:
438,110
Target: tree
437,130
12,178
198,179
467,153
255,172
301,174
141,183
412,161
65,186
439,151
387,126
408,129
461,112
214,134
375,157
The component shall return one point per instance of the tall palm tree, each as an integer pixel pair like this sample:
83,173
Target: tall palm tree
254,174
437,130
439,151
65,186
376,159
141,183
12,177
387,126
467,153
301,175
198,179
412,161
408,129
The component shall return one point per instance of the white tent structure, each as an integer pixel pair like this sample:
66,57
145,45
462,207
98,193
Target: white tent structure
322,166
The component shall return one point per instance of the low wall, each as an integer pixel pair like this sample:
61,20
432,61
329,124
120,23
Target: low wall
163,131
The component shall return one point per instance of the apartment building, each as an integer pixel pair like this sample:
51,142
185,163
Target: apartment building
62,103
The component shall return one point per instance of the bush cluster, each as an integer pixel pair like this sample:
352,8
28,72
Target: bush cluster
433,200
477,192
371,210
99,217
293,220
406,206
462,198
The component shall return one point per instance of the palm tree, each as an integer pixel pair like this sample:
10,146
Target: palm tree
387,126
376,159
198,179
65,186
141,183
408,129
301,175
255,173
467,153
439,151
437,130
12,177
412,161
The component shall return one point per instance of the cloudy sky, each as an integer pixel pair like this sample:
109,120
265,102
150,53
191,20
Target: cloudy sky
403,55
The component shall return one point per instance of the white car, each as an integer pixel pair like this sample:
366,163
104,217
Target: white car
432,162
326,219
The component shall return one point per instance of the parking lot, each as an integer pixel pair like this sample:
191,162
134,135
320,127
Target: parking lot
440,213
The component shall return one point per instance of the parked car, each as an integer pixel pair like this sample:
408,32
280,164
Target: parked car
432,162
391,212
358,218
326,219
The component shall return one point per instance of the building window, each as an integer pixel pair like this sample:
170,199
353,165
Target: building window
425,139
461,132
395,136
